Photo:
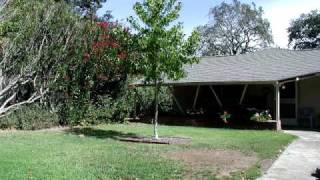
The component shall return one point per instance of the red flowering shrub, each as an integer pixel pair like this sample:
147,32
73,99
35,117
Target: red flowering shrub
109,48
105,57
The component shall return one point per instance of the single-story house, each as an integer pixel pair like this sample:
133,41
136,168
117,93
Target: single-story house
287,82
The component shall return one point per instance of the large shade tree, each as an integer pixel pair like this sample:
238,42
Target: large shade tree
163,46
304,32
46,47
87,7
234,28
36,38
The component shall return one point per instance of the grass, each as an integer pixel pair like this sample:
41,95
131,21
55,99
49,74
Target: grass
98,155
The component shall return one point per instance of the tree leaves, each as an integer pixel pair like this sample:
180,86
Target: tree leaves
162,44
87,7
235,28
304,32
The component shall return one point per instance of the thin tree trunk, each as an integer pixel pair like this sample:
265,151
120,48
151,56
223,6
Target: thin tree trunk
155,122
135,103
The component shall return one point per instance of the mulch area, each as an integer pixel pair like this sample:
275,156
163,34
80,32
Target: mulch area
152,140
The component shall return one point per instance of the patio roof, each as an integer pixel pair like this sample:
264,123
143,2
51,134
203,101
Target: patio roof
265,66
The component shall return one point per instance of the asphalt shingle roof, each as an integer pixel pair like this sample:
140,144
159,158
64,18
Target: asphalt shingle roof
265,66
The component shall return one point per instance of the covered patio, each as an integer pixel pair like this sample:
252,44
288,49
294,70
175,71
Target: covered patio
286,82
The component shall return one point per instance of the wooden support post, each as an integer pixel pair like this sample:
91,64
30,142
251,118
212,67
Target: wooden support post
178,105
216,96
277,94
196,98
177,102
297,99
243,93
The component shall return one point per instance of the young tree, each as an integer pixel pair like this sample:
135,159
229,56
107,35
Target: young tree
235,28
304,32
163,46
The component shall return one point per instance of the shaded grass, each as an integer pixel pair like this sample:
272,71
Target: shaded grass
99,155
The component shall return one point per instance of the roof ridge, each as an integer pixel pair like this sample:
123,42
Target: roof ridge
264,50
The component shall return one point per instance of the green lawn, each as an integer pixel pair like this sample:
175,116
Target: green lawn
99,155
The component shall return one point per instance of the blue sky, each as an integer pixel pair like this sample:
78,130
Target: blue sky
195,13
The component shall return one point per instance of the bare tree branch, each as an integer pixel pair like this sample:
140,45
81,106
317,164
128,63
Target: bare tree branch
32,99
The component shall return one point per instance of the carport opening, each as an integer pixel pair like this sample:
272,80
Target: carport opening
210,101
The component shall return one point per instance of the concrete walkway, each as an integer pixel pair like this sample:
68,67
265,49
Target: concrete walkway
299,160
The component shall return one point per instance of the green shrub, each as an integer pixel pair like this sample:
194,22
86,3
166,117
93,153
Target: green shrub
105,109
30,118
145,100
116,106
110,110
74,112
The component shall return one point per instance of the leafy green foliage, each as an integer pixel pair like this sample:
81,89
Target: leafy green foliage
145,100
304,32
116,106
162,44
54,49
30,118
236,28
112,109
86,7
38,39
99,68
122,103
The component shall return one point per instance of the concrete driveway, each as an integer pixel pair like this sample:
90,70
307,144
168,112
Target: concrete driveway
299,161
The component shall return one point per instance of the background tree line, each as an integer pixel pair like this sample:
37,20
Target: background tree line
64,60
60,55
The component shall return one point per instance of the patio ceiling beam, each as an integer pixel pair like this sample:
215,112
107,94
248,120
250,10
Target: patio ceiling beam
216,96
196,97
243,93
177,102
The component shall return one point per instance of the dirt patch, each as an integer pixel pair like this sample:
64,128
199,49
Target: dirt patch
218,162
266,164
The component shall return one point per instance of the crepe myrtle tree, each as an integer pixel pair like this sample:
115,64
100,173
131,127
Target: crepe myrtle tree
105,58
36,38
163,46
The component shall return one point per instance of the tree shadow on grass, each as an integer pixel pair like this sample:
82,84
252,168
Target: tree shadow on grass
99,133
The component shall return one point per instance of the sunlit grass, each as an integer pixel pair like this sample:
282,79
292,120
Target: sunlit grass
99,155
